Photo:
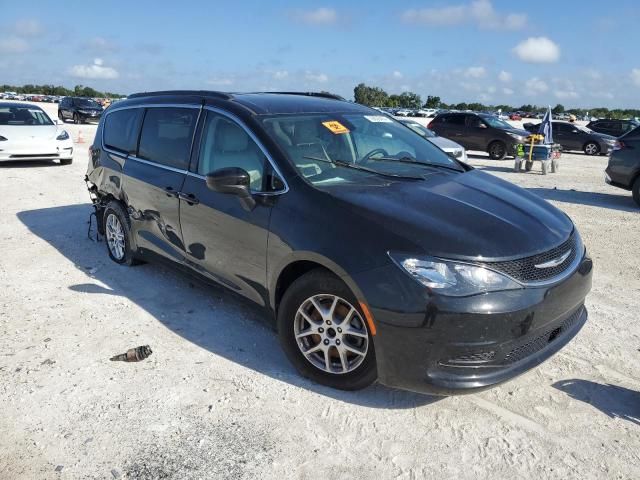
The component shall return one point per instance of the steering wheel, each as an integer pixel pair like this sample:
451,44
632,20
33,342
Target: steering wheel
373,152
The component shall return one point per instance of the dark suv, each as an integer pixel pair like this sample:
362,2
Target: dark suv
623,170
377,254
615,128
575,137
79,109
479,131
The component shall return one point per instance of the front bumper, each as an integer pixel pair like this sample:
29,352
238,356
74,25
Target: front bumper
448,345
62,150
85,117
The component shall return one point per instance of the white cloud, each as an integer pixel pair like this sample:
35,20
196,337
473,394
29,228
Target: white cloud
635,76
319,16
280,74
566,94
507,91
477,12
491,89
397,74
97,70
475,72
220,81
13,45
535,85
28,28
504,76
101,45
537,50
316,77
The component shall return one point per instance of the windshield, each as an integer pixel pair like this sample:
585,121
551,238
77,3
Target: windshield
85,102
377,142
420,129
495,122
32,116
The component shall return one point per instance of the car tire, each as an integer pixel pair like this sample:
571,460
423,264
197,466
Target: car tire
636,191
497,150
60,116
117,229
591,148
66,161
329,362
76,119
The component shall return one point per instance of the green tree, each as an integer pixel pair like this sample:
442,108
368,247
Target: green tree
370,96
559,108
432,102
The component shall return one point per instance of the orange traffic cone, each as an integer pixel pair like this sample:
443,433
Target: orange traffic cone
80,138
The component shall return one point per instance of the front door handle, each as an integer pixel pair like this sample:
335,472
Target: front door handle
190,198
171,192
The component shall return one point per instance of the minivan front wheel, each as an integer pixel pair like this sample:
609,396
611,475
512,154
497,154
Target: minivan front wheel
325,334
497,150
636,191
117,232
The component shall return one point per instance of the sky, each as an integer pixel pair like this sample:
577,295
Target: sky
578,53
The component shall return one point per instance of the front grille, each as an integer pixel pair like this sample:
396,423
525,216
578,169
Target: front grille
542,340
39,155
471,358
525,270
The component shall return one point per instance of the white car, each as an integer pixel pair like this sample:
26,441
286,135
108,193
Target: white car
27,133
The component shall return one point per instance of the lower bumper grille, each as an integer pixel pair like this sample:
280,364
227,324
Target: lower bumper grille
542,340
35,155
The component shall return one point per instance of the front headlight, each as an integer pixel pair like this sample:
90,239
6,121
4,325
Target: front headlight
63,136
519,138
453,278
610,142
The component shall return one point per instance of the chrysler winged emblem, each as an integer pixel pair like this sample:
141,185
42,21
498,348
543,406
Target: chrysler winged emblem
556,261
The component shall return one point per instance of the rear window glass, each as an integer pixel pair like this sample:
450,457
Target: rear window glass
454,119
121,130
166,136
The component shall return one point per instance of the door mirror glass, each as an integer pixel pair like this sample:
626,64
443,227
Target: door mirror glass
232,180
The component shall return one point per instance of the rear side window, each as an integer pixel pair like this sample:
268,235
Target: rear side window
457,119
121,130
633,135
166,136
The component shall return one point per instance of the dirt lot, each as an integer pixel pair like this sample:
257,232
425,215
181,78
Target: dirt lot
218,399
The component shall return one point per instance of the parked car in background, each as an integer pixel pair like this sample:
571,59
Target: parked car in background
623,170
575,137
615,128
403,112
377,255
477,131
515,116
27,133
448,146
79,109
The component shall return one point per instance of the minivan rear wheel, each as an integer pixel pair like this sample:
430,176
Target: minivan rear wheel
324,332
497,150
117,232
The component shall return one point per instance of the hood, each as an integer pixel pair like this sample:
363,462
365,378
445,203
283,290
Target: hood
602,136
28,133
445,143
464,216
518,131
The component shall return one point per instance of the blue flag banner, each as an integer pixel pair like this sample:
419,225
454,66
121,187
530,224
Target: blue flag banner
545,128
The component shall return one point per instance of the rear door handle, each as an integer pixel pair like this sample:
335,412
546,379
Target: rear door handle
190,198
171,192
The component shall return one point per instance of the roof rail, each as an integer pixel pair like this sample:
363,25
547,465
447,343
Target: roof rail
332,96
197,93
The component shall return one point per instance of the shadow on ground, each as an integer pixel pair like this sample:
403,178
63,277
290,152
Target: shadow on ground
210,317
30,164
622,201
614,401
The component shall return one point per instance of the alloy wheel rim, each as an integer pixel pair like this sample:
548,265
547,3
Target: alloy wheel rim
115,236
591,149
331,334
497,150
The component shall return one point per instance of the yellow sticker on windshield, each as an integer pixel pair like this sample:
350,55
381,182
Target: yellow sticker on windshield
335,127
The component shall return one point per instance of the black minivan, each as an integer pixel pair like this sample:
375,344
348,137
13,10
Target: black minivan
379,256
79,109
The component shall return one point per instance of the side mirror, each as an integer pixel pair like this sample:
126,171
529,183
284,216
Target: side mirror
235,181
482,125
57,121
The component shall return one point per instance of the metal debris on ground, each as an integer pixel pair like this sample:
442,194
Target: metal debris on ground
133,354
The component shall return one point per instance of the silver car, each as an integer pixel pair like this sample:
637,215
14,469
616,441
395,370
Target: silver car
449,146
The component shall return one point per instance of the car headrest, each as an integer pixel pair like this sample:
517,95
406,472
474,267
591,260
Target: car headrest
231,138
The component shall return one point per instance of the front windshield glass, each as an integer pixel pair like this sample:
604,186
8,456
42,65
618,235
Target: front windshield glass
495,122
420,129
31,116
374,142
85,102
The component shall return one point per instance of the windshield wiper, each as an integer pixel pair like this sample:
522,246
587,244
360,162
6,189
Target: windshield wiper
342,163
413,161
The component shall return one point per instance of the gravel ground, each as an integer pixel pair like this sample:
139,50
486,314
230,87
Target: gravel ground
218,399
